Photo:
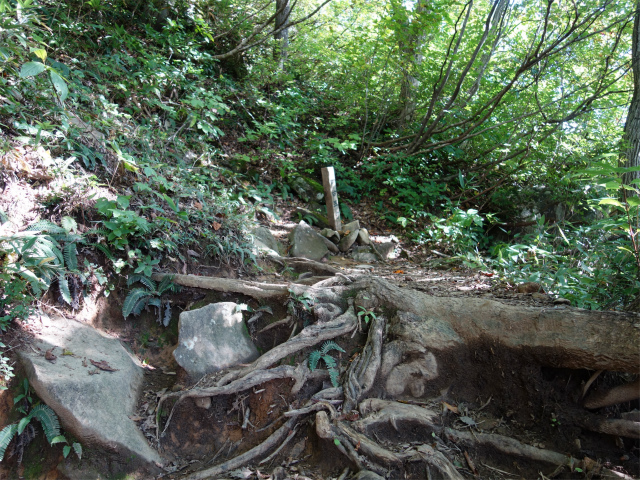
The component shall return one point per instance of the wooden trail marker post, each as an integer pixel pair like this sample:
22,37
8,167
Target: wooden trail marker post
331,197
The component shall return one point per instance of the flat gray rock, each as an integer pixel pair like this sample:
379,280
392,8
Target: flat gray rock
94,408
212,338
265,241
305,242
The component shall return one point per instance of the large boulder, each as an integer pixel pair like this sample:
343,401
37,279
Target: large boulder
212,338
93,404
305,242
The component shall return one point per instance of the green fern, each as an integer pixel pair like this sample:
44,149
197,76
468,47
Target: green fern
330,362
70,254
334,376
48,419
330,345
135,301
46,226
314,358
64,288
106,252
166,284
6,435
146,281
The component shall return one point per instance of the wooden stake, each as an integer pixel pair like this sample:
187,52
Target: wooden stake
331,197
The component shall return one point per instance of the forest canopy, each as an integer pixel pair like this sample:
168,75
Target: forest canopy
493,132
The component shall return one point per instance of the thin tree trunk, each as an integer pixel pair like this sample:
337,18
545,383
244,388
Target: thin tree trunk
632,126
280,50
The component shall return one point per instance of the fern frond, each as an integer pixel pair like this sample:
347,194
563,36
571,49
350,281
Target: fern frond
334,376
167,284
64,289
314,358
131,303
155,302
47,249
48,419
329,361
6,435
328,346
71,256
146,281
45,226
106,252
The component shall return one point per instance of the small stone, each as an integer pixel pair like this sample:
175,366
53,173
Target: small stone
562,301
203,402
529,287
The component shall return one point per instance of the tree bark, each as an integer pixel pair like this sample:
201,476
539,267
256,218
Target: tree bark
632,126
280,50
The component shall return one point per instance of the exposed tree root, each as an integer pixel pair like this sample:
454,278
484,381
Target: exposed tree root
620,394
363,370
424,332
511,446
256,452
308,337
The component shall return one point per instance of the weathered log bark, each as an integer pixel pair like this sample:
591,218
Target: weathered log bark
557,337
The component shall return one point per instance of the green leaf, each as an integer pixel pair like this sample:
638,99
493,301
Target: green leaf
60,84
610,201
336,441
23,424
78,449
633,201
66,450
69,224
30,69
41,53
58,439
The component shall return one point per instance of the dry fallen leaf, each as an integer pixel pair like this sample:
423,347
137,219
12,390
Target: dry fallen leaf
450,407
102,365
50,356
399,271
216,226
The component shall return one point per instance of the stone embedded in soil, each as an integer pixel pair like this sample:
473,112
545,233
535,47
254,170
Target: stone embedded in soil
348,240
212,338
363,237
265,241
93,408
386,249
306,243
